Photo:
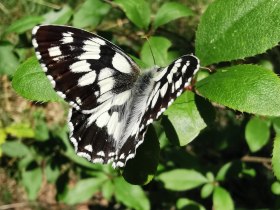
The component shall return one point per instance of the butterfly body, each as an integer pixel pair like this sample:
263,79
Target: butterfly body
112,103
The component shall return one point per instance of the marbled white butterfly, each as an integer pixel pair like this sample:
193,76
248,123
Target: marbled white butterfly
112,104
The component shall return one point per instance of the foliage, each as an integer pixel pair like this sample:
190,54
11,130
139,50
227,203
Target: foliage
232,113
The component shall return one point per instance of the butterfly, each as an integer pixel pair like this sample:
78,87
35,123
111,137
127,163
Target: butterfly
112,102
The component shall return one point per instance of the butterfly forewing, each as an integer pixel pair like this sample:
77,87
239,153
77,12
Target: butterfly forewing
81,66
112,104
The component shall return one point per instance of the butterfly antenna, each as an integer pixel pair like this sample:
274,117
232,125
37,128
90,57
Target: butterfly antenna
151,50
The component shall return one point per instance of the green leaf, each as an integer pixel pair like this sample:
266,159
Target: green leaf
90,14
3,136
32,180
207,190
108,189
52,173
182,179
187,204
24,24
257,133
276,124
171,11
222,199
185,118
137,12
159,47
276,156
59,17
235,29
41,131
247,88
275,188
130,195
15,149
20,130
141,169
31,82
83,190
9,61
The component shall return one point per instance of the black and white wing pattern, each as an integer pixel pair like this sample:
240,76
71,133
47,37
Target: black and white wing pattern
112,104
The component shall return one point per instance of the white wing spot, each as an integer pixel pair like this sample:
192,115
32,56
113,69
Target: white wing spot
101,153
87,79
80,67
169,77
178,83
103,119
120,164
67,38
122,156
154,101
163,90
122,98
111,154
106,85
54,51
105,73
98,41
113,122
98,160
62,95
85,155
120,63
88,148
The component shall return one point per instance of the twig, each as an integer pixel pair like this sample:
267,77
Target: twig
255,159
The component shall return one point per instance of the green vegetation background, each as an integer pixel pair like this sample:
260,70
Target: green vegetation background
217,147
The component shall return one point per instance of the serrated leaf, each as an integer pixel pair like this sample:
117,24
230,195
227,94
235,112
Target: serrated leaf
32,180
15,149
59,17
83,190
90,14
235,29
20,130
159,47
257,133
31,82
9,61
247,88
276,156
137,12
24,24
182,179
185,118
141,169
222,199
171,11
131,195
187,204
